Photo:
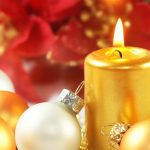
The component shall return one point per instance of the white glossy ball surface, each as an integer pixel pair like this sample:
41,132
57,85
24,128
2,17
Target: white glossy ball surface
47,126
5,83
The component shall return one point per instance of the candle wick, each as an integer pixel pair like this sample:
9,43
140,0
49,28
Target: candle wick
119,52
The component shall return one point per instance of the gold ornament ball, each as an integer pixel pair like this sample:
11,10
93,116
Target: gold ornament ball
11,107
137,137
7,140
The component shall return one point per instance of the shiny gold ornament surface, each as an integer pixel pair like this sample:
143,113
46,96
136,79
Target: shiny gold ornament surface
11,107
117,88
137,137
7,140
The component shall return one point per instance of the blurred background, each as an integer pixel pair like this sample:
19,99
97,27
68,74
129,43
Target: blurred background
43,43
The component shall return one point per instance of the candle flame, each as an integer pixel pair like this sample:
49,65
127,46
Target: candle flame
118,35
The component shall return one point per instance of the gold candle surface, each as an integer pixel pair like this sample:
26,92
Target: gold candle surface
117,88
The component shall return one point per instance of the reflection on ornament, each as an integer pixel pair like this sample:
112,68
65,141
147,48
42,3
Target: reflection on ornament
137,137
7,141
5,83
11,107
50,126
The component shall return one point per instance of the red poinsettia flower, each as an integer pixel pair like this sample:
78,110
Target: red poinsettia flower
34,39
32,22
30,19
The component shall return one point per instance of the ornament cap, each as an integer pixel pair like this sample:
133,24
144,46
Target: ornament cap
71,100
117,132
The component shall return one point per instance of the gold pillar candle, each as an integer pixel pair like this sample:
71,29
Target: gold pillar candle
117,88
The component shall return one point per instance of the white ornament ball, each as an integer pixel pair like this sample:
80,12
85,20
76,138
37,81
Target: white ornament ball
48,126
5,83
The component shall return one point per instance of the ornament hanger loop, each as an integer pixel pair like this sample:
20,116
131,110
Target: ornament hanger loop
79,88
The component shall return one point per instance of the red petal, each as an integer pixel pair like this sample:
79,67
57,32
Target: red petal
34,40
54,10
23,85
15,10
72,44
